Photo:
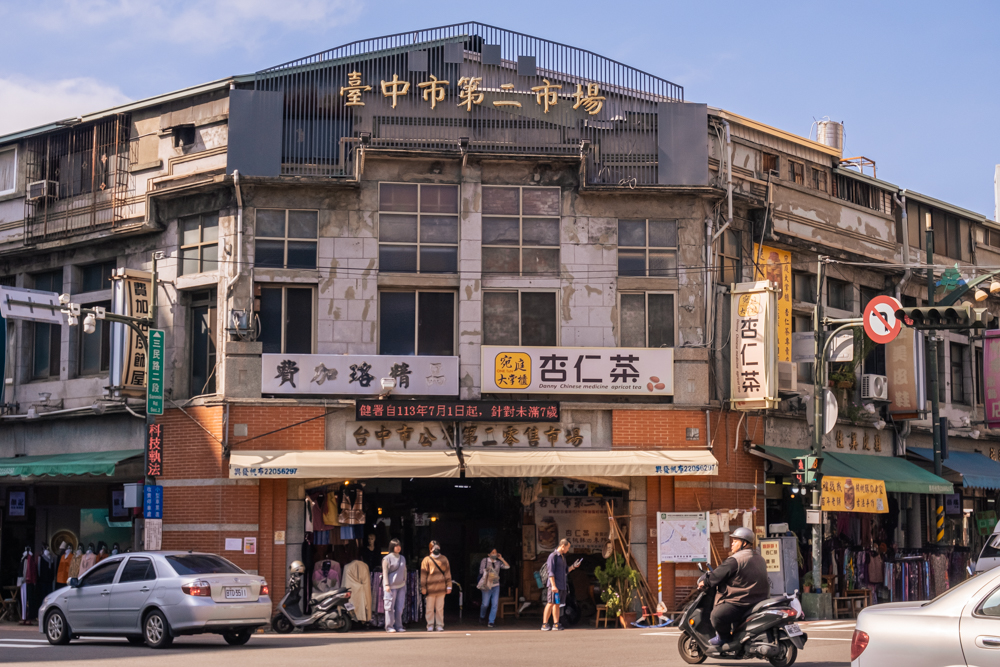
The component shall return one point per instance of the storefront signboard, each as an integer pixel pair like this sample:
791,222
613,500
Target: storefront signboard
422,435
154,450
15,503
851,494
953,503
578,370
904,358
682,537
771,551
775,265
991,376
500,411
753,346
358,374
582,520
131,296
152,505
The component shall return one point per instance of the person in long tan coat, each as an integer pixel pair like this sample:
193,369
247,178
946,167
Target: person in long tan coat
358,580
435,583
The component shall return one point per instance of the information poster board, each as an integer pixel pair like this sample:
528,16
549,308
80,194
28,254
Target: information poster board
682,537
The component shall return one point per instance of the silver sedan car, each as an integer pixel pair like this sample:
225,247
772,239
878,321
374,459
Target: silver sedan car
959,627
152,597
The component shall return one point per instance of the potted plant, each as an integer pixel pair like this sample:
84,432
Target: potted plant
619,588
807,582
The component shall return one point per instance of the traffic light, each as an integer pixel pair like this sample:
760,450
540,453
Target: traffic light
807,470
963,316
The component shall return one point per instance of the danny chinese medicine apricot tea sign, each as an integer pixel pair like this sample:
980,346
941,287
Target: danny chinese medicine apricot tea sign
578,370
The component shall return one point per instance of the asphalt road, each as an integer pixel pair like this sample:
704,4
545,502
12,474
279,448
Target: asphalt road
829,644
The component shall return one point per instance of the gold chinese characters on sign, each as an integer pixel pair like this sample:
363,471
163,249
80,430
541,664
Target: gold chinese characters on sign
471,93
850,494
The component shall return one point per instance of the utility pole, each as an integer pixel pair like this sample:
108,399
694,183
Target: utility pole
932,347
819,427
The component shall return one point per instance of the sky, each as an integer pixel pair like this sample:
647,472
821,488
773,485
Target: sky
909,80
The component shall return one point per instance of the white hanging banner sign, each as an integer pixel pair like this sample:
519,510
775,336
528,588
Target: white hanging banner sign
753,347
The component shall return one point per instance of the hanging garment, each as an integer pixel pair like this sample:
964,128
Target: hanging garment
310,504
74,566
351,515
46,574
62,575
713,522
724,521
358,580
330,516
88,561
326,576
748,519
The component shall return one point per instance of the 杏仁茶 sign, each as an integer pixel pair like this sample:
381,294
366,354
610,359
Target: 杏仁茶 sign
753,348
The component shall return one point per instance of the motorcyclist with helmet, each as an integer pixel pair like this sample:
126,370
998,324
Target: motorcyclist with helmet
741,582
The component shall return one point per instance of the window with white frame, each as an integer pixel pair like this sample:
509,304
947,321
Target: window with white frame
646,319
647,248
8,170
416,322
513,317
417,228
286,239
286,318
520,230
97,277
199,236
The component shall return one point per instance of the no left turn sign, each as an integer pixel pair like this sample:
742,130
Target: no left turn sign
880,320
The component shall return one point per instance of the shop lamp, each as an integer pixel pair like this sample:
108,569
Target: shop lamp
974,434
995,287
434,518
980,294
880,424
794,490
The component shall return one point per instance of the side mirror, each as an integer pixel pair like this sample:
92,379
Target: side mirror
74,582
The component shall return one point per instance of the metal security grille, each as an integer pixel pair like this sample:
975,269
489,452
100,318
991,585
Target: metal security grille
469,87
78,180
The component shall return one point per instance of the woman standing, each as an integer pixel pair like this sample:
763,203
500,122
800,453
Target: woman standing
394,587
435,583
489,584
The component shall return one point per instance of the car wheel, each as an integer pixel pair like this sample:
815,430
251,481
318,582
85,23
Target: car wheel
237,638
345,624
156,631
690,651
788,659
56,628
281,625
135,641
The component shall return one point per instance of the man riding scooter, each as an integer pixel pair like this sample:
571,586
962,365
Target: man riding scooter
741,581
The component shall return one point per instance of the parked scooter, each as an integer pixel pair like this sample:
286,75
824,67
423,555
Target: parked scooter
331,610
768,633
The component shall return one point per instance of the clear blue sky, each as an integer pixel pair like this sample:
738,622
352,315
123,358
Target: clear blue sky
911,80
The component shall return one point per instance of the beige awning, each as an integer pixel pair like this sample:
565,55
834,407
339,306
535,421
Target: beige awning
582,464
362,464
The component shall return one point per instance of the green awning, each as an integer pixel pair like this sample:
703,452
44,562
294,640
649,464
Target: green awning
90,463
899,475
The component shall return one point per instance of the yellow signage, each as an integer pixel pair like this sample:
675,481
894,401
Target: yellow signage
850,494
776,266
771,551
513,370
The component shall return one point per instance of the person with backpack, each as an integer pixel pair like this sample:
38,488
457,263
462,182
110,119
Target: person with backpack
489,584
435,583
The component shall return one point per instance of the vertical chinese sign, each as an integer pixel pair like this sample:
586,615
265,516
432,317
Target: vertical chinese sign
132,292
906,388
154,395
991,377
752,347
775,266
154,451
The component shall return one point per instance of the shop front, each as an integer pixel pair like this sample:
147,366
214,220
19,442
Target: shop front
62,514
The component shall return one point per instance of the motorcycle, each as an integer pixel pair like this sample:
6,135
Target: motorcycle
768,633
330,610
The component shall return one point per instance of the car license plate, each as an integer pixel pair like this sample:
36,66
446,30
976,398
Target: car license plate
348,606
793,630
236,593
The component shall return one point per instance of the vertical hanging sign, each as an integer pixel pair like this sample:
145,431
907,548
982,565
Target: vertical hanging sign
154,394
131,297
904,362
753,349
776,267
991,377
154,451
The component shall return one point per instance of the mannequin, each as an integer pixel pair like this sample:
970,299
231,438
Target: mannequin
74,566
62,574
102,552
47,565
89,559
326,575
114,549
29,579
370,555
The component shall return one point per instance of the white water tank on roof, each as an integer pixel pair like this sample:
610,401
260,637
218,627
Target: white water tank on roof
830,133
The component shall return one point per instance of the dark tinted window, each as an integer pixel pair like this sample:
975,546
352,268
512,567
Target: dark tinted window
992,547
137,569
202,564
101,574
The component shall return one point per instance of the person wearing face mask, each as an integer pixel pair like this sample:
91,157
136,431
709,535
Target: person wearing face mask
435,583
489,584
62,574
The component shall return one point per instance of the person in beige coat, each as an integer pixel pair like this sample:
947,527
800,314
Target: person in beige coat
435,583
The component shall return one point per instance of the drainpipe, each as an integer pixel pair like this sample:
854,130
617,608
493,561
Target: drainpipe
239,230
900,200
708,429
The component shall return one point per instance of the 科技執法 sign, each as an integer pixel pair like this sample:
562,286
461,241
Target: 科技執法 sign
502,411
358,374
578,370
753,348
154,450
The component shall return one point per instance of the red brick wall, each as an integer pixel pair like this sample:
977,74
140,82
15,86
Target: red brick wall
666,429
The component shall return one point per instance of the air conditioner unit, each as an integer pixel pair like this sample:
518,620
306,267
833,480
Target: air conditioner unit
875,387
39,190
787,377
